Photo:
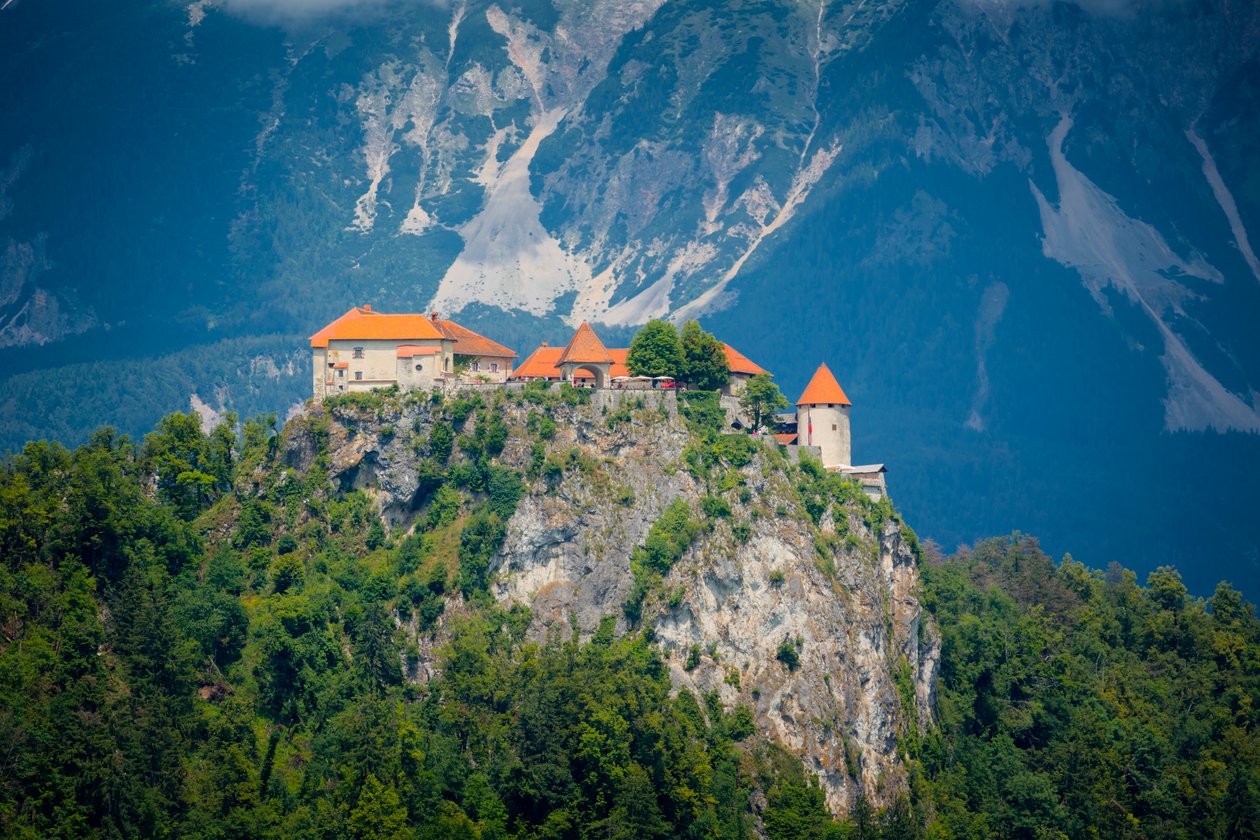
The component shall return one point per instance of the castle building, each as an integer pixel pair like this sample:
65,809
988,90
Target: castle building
742,369
822,418
365,349
585,352
545,365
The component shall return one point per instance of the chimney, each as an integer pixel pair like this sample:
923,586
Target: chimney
367,307
433,316
544,344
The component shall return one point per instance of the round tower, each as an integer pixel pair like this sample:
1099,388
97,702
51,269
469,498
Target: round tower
822,419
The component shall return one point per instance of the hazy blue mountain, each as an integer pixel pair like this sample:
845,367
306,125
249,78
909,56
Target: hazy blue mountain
1018,231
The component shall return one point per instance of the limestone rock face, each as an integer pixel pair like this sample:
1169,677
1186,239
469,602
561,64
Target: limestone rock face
753,588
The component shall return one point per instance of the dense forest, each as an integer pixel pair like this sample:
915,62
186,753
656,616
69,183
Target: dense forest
199,640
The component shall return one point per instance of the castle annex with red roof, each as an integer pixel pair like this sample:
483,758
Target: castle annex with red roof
561,364
366,349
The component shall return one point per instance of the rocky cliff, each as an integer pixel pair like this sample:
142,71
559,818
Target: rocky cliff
792,592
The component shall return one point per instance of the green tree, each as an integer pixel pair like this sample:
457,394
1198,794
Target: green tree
636,815
704,364
478,542
760,399
795,810
655,351
379,814
181,460
287,571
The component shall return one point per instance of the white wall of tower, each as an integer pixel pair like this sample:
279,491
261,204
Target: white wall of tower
830,432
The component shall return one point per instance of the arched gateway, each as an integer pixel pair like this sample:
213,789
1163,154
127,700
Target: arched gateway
586,352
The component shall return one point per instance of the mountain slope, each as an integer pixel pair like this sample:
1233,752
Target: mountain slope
1021,232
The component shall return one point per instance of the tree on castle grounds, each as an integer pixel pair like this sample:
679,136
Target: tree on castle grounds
704,359
760,399
655,351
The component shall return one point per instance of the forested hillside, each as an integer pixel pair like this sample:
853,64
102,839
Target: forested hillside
199,637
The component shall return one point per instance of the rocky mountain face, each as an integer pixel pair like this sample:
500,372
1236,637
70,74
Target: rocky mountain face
772,567
1019,231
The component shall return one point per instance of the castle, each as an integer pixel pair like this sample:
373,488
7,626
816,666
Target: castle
365,349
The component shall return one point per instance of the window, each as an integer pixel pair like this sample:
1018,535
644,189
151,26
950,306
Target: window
494,367
476,366
419,367
833,427
342,374
332,364
358,374
358,352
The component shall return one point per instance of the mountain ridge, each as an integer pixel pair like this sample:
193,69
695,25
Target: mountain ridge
336,160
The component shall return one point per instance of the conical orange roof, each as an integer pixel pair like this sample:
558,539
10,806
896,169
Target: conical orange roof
585,348
823,389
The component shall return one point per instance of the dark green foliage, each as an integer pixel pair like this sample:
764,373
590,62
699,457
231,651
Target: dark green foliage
443,508
253,525
1085,704
668,539
788,654
542,425
537,458
736,450
711,449
504,487
480,539
795,810
655,351
288,572
375,535
761,399
715,507
820,489
192,469
462,406
441,441
704,363
704,412
426,597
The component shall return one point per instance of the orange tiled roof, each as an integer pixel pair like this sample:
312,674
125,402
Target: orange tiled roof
823,388
786,439
469,343
407,351
585,347
541,364
619,366
739,363
544,363
362,323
